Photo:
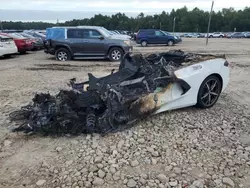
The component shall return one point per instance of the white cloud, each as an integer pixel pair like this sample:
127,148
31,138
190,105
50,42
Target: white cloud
117,5
78,9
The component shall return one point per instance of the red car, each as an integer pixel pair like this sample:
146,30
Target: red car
23,44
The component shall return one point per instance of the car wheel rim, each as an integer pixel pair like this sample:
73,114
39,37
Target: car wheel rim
210,92
144,43
116,55
170,43
62,56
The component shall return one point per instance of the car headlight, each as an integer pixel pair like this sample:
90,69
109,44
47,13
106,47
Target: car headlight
175,37
127,42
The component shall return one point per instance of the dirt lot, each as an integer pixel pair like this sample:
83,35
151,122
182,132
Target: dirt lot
184,148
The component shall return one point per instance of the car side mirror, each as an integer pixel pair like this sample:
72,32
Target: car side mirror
101,37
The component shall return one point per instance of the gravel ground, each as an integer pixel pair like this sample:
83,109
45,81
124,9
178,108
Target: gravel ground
183,148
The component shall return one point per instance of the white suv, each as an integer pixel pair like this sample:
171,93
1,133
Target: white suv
7,46
216,35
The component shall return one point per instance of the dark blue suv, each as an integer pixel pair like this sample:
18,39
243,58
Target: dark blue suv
155,36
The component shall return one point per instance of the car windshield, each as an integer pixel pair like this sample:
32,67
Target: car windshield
166,33
40,34
17,36
106,32
112,32
5,37
36,34
26,35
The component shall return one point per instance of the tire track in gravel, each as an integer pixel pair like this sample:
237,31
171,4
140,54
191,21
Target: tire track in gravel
70,67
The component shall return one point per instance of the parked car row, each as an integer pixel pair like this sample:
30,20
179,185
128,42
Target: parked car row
38,43
23,44
12,43
122,32
86,42
238,35
36,34
218,35
202,35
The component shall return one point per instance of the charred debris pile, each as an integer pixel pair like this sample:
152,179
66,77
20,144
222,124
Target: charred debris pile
106,104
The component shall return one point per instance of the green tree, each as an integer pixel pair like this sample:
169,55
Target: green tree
186,21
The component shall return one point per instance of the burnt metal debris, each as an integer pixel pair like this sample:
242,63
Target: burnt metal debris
106,104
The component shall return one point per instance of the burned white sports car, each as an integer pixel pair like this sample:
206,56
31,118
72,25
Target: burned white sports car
144,85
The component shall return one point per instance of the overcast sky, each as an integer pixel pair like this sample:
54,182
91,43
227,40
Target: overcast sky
50,10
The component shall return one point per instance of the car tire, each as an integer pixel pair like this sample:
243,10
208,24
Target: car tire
209,92
22,52
211,36
8,56
115,54
221,36
144,43
63,54
170,43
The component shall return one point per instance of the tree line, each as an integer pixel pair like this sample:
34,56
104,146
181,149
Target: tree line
195,20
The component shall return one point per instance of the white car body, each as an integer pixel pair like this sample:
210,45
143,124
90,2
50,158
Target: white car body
7,46
216,35
193,75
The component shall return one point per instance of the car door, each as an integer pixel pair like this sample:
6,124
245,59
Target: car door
149,36
93,43
161,38
75,41
236,35
216,34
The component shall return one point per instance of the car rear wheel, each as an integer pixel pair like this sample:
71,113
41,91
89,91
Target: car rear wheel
209,92
115,54
7,55
170,43
63,54
144,43
22,52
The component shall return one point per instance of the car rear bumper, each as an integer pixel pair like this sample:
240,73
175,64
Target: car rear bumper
8,51
38,45
25,48
30,47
